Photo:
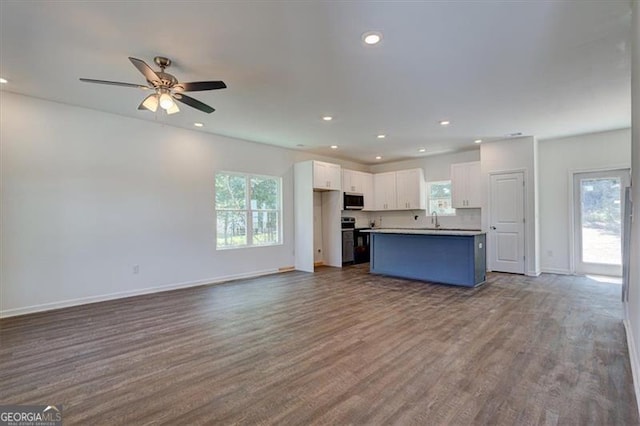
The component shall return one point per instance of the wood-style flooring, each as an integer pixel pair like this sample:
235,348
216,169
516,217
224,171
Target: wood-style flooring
336,347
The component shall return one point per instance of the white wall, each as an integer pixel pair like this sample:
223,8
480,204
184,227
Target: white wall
633,306
436,167
507,156
86,195
559,159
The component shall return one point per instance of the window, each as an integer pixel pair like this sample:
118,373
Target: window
248,210
439,195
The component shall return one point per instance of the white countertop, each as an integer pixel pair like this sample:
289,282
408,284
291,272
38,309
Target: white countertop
424,231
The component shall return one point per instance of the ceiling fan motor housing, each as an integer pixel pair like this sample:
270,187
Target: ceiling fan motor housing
166,80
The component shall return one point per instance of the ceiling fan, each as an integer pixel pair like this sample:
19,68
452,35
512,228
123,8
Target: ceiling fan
166,87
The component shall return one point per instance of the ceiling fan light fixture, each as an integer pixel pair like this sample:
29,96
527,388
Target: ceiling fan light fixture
151,103
173,109
166,102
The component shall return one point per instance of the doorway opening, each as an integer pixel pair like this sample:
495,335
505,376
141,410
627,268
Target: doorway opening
598,205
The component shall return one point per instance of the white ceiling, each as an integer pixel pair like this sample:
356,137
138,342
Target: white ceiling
543,68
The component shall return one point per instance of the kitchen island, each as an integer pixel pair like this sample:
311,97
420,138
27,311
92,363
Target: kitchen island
455,257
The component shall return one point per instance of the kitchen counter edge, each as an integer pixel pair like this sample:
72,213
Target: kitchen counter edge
422,232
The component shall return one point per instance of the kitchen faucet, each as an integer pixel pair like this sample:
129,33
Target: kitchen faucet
434,214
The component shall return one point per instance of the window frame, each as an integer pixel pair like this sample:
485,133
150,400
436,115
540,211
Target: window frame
248,210
440,182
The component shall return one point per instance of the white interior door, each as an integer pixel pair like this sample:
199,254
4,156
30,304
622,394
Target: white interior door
598,203
506,222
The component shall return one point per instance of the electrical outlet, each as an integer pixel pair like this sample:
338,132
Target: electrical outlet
136,269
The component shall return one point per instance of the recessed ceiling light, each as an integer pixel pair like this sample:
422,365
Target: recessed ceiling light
422,150
198,124
372,37
478,141
3,80
381,136
445,122
334,146
378,157
327,118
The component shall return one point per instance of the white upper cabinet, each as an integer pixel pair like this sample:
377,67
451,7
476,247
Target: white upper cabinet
327,176
359,183
352,181
410,190
367,191
466,185
384,188
401,190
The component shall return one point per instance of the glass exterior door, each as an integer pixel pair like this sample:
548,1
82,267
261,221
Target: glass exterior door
598,207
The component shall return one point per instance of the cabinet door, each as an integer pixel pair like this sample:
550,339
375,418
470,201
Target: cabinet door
367,191
334,176
320,175
474,186
458,185
466,185
348,180
410,189
327,176
384,186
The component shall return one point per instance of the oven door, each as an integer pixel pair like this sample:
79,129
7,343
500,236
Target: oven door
347,246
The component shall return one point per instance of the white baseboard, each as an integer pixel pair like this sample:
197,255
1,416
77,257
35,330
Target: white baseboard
558,271
130,293
533,273
633,358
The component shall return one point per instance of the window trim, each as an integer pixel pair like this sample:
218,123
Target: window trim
249,211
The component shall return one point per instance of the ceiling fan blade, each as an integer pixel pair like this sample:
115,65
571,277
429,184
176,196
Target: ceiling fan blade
194,103
196,86
145,69
114,83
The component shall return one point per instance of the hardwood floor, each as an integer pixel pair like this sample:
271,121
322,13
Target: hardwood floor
336,347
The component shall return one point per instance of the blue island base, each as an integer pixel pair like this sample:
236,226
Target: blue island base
447,259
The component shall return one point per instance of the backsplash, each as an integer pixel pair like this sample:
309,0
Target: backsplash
464,219
362,218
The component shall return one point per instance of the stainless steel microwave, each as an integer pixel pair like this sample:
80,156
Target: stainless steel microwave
353,201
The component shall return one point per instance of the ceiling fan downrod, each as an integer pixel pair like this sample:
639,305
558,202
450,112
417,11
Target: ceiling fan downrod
162,62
